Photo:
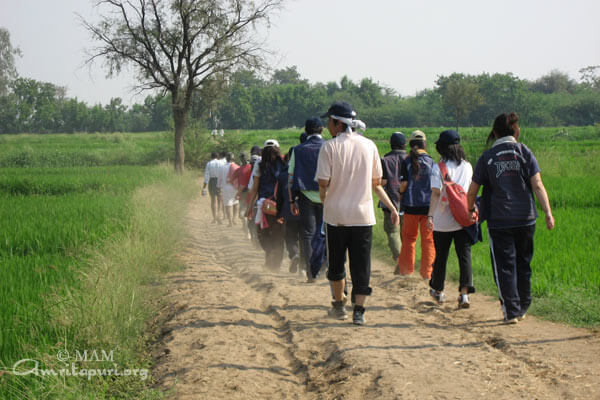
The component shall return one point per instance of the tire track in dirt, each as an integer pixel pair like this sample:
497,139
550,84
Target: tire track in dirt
238,331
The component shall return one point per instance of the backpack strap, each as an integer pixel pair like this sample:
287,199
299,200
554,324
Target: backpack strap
444,171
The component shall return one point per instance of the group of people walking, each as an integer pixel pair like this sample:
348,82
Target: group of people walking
316,201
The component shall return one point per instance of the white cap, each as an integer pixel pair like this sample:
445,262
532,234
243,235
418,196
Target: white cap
271,142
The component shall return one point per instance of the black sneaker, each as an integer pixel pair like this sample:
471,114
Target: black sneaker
358,316
338,310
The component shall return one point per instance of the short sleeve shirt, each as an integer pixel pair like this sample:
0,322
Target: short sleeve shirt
350,162
505,171
443,221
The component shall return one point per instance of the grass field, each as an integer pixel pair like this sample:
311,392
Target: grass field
87,226
566,278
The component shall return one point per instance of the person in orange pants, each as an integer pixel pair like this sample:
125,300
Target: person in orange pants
415,194
412,226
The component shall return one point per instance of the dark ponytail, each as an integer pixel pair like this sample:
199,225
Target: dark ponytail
504,125
415,145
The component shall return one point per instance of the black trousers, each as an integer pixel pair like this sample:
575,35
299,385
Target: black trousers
512,251
292,237
311,241
357,241
462,246
271,240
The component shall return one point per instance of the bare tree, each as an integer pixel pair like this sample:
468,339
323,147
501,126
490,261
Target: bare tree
178,45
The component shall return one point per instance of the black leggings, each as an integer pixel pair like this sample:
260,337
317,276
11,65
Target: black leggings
462,246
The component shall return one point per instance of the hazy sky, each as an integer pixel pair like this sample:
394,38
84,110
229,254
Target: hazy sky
404,45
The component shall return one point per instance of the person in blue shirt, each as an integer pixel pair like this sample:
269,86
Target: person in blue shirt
305,200
510,176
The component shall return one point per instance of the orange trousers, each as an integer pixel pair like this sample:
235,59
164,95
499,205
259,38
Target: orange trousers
411,226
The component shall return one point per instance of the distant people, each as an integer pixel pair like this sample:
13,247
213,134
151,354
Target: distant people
265,177
510,175
442,223
255,158
211,173
220,208
415,193
228,188
241,184
391,164
305,199
348,167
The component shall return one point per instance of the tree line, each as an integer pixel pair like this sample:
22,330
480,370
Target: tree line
285,99
248,101
32,106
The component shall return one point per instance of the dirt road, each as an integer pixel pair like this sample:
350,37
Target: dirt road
237,332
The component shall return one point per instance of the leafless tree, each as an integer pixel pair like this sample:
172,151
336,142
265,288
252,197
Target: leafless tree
178,45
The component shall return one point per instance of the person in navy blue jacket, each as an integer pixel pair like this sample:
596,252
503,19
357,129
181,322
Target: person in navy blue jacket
510,175
270,229
305,200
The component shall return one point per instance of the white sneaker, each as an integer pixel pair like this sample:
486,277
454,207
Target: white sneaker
440,297
463,301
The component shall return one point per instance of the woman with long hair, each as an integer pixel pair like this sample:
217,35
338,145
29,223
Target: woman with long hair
510,176
441,221
270,227
415,194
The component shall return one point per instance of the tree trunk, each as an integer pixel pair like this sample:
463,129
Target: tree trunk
179,118
457,120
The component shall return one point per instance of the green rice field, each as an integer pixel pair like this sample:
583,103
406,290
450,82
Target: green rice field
65,201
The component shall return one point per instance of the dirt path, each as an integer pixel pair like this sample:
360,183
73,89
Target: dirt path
238,332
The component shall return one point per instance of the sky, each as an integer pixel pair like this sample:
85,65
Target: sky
404,45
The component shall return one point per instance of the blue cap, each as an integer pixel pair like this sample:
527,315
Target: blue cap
313,125
449,136
398,139
341,109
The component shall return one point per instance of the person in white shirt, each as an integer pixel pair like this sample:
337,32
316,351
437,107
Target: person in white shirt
348,170
444,226
211,174
228,189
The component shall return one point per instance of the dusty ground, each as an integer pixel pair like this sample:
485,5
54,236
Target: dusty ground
236,331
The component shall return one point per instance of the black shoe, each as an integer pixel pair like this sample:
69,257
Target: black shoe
338,310
358,316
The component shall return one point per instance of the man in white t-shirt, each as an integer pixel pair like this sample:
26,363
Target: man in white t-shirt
348,170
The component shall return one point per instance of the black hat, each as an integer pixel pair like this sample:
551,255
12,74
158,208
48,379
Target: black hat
340,109
449,136
312,125
397,139
255,150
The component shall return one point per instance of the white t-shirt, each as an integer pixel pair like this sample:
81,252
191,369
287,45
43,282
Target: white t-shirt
350,162
443,221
